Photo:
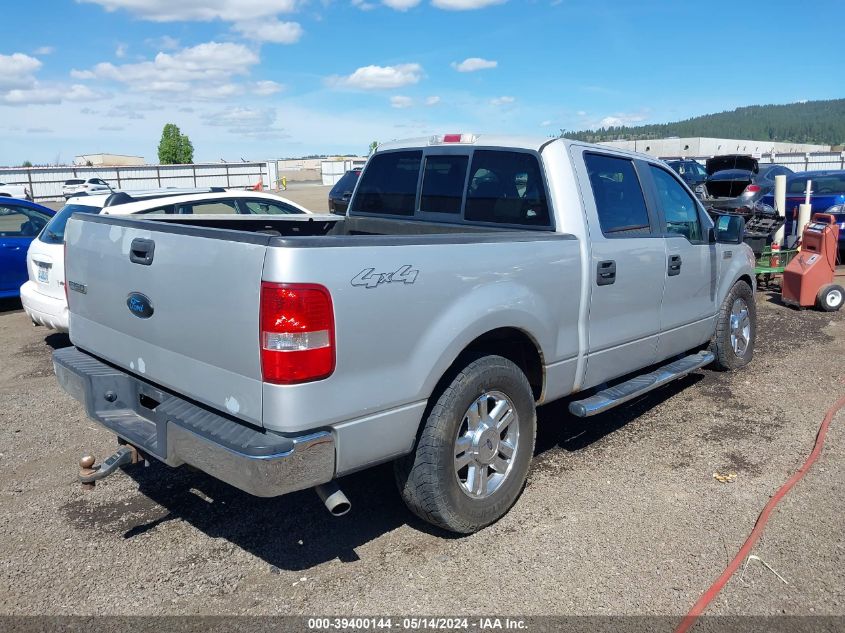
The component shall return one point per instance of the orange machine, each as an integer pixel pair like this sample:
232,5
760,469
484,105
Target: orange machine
808,279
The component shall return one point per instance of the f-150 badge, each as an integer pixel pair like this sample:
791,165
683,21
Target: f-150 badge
369,278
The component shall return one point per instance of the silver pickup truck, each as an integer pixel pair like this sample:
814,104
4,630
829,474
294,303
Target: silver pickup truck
472,279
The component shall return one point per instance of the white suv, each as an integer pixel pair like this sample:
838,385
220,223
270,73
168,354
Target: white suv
43,296
82,187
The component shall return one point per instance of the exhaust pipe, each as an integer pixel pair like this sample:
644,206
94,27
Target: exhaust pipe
333,498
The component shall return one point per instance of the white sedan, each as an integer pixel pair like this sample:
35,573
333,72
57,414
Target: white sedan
15,191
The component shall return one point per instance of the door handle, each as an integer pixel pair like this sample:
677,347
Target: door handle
141,251
674,265
606,273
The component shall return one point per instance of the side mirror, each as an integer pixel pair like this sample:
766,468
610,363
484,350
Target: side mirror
729,229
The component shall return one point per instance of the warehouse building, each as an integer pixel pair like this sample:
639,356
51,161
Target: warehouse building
108,160
703,146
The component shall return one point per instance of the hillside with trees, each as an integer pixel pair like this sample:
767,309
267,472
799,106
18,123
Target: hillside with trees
821,122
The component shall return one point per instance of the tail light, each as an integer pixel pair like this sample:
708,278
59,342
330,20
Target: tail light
752,189
297,333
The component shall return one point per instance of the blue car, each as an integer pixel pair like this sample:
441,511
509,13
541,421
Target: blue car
20,222
828,191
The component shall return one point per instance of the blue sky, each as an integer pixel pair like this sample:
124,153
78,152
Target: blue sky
260,79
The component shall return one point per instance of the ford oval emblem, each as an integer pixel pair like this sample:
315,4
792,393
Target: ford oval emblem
140,305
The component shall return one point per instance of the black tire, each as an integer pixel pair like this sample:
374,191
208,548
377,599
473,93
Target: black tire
830,297
428,478
727,358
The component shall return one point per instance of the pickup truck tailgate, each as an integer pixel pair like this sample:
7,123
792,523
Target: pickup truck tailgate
178,309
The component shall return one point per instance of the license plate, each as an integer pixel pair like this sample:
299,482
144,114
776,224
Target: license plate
43,274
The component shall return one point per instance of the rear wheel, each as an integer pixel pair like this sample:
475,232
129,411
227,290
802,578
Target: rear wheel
736,329
473,455
831,297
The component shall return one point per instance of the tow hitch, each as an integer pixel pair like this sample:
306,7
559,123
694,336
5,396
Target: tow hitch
89,474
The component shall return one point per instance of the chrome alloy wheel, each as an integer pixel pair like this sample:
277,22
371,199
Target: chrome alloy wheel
740,327
485,447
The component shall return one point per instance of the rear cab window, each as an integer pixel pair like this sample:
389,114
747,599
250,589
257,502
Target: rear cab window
54,232
479,186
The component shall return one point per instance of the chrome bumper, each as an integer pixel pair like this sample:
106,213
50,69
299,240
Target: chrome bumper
176,431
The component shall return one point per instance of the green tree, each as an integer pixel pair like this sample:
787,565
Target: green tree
26,163
174,148
373,147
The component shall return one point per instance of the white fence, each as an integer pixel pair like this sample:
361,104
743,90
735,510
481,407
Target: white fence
333,170
46,182
796,162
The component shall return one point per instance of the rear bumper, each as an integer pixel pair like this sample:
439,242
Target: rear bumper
177,431
44,310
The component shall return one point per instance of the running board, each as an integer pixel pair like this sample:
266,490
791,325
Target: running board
639,385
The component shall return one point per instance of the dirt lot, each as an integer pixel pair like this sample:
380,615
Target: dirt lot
621,514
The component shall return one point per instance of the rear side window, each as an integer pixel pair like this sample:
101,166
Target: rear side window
346,183
619,196
389,184
506,188
54,232
443,184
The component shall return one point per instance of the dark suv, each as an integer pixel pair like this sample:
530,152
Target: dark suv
342,191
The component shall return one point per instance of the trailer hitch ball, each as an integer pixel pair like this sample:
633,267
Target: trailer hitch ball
86,469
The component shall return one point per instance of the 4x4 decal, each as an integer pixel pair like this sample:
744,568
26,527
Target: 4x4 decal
369,278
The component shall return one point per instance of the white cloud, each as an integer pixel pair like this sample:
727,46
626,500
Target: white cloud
120,51
51,93
472,64
618,120
18,70
465,5
502,101
266,88
242,121
204,71
401,5
199,10
380,77
273,31
363,5
163,43
44,50
546,123
432,100
401,102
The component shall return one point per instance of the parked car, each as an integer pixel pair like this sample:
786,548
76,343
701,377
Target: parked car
692,172
21,192
43,295
342,191
735,182
827,196
84,186
20,222
473,278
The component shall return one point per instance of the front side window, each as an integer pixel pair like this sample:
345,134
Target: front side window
267,207
389,184
619,197
209,207
20,221
679,209
443,184
506,188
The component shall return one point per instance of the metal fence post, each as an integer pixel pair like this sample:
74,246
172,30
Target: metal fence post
158,176
29,177
194,169
228,182
117,171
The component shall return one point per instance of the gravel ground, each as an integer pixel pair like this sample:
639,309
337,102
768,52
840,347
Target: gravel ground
621,514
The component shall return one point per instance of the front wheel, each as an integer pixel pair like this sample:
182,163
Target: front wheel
831,297
736,329
473,454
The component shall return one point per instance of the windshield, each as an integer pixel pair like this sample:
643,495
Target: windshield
54,232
